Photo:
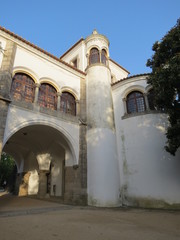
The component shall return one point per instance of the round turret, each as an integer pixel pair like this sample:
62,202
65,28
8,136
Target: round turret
97,49
101,141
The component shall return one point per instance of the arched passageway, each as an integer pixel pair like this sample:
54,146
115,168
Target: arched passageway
8,171
41,153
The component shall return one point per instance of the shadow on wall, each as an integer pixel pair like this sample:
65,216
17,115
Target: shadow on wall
148,170
29,142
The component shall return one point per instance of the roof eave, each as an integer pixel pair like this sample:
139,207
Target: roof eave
119,66
39,49
69,50
133,76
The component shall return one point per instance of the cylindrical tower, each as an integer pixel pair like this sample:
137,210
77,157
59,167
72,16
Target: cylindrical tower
103,175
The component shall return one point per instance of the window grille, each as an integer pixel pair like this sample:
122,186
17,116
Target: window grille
103,57
23,88
135,102
68,103
47,96
94,56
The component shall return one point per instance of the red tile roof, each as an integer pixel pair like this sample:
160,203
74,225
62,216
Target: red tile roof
119,65
39,49
73,46
133,76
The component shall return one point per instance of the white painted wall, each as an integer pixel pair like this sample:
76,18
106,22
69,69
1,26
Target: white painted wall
30,162
57,169
99,97
138,167
46,70
146,169
103,176
2,48
77,52
18,118
33,184
117,72
57,174
150,170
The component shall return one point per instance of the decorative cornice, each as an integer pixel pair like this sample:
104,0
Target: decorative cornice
97,36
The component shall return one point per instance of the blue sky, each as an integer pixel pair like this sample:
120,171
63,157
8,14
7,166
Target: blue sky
132,26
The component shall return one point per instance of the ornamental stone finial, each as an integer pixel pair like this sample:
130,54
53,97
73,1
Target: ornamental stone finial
94,31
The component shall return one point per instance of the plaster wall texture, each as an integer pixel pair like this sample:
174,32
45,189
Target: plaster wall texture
116,71
103,175
146,169
150,171
18,118
123,88
126,159
44,160
56,177
97,40
79,53
30,162
57,170
99,98
33,184
44,70
2,47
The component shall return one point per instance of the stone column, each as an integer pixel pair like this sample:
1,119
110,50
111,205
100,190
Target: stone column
44,161
87,55
77,108
76,176
125,106
37,86
18,183
146,101
58,100
5,85
82,139
43,183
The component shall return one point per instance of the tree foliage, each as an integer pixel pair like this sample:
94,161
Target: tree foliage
7,166
165,80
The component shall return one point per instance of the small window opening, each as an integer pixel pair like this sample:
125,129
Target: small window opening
94,56
135,102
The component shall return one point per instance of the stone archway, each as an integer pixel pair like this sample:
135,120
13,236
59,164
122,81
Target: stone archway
35,148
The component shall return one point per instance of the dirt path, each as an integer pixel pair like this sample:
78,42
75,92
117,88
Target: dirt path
24,218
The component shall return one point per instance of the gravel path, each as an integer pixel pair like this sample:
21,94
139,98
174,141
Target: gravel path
32,219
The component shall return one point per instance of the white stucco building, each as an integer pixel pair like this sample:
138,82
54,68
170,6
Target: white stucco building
80,129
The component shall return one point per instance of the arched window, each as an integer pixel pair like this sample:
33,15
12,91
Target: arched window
68,103
103,56
135,102
22,88
150,97
47,96
94,56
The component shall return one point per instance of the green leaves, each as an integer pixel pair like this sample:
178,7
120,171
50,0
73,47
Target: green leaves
165,79
7,165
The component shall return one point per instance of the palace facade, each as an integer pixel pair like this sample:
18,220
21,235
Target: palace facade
81,129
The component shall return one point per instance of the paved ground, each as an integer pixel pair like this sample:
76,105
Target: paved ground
26,218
